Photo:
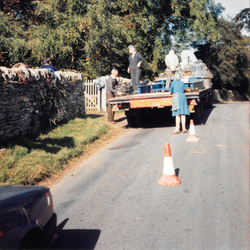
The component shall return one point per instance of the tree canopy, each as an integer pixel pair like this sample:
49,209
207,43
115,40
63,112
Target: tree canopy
93,36
242,19
228,59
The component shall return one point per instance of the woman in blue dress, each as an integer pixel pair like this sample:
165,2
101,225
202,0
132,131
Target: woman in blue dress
179,105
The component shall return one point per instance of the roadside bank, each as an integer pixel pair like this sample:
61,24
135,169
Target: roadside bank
29,161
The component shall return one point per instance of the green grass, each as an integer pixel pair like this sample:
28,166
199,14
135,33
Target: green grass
28,161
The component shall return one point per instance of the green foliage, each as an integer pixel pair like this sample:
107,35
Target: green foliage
228,59
20,11
27,160
195,20
93,36
243,19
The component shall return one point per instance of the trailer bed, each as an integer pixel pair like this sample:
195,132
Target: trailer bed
127,98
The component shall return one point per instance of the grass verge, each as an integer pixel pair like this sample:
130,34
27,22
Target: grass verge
28,161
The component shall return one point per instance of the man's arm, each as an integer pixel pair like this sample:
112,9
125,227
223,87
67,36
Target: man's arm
140,57
129,67
141,60
54,68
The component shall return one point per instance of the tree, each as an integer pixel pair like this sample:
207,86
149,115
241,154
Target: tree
113,25
18,10
243,19
93,36
228,59
15,16
55,31
195,22
147,24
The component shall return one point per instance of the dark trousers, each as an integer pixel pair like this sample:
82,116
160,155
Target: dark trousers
135,77
111,114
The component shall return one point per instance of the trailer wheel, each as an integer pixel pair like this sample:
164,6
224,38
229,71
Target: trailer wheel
139,121
209,103
201,109
197,114
131,121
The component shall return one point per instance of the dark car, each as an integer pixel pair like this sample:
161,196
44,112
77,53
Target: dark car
27,218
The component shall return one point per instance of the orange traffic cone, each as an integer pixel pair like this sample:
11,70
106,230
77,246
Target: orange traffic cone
192,136
169,177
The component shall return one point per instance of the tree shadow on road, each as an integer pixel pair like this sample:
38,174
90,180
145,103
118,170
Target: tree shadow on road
49,145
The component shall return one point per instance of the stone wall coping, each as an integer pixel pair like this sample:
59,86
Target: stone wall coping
21,73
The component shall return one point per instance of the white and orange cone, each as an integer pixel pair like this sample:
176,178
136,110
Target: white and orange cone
169,177
192,136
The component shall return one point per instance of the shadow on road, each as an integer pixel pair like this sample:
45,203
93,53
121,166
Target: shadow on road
157,121
177,172
166,120
84,239
121,119
207,113
95,115
49,145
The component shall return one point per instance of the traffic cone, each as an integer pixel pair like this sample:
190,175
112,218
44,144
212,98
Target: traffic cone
169,177
192,136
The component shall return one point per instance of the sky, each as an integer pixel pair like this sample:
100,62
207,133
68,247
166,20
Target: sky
233,7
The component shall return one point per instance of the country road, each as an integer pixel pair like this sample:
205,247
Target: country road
113,201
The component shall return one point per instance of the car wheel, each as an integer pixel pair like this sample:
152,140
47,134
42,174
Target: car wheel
33,240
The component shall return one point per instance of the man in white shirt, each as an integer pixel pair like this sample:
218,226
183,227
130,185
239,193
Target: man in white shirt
172,62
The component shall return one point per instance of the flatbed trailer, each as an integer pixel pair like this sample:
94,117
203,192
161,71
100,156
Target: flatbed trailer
156,99
139,106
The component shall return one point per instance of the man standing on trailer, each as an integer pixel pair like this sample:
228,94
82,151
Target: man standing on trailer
172,62
134,68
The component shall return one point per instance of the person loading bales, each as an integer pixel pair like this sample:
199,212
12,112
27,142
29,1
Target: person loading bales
111,84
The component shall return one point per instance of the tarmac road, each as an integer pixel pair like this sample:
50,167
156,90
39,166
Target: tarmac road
113,200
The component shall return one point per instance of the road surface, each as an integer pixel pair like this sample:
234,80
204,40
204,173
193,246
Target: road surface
113,200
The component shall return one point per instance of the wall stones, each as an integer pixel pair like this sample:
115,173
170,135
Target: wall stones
31,100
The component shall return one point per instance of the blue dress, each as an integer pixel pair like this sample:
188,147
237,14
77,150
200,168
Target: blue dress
179,103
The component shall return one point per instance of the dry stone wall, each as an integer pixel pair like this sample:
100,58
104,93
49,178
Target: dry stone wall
31,99
224,95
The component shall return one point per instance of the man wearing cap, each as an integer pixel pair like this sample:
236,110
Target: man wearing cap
134,68
172,62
